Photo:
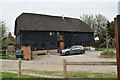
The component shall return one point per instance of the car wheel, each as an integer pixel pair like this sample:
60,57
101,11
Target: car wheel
82,51
67,53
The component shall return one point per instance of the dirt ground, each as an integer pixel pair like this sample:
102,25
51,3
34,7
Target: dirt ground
54,63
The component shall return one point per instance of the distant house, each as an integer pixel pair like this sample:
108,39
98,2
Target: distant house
46,32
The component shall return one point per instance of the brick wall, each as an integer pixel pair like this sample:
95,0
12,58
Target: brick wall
26,52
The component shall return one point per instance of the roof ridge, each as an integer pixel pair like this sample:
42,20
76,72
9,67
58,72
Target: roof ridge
51,15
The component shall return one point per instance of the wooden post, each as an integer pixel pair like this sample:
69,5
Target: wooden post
65,69
117,37
6,53
19,69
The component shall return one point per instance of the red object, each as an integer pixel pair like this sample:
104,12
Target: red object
26,52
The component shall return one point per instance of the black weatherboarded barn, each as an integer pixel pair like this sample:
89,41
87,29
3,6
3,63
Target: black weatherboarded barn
45,32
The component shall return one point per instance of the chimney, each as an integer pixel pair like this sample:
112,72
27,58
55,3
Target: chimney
62,16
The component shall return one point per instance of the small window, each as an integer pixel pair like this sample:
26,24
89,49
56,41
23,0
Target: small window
57,33
51,33
75,34
52,43
76,43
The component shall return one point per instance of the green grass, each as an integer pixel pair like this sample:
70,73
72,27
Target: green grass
105,49
57,73
13,75
91,75
53,73
3,57
75,74
108,52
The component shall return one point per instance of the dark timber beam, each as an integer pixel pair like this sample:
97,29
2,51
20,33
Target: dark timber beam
117,37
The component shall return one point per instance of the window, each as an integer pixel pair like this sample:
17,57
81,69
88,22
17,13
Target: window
57,33
76,43
52,43
75,34
51,33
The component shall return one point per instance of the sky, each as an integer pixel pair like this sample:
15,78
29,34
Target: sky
10,9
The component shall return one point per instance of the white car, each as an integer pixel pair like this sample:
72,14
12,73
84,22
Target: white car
73,50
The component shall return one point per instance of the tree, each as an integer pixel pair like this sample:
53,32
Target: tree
96,22
3,30
102,28
9,40
109,36
5,39
100,24
89,19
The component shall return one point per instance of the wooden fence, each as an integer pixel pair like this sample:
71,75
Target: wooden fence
19,69
65,63
11,53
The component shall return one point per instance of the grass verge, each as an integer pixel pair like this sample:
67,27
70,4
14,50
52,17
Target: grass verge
74,74
105,49
3,57
7,76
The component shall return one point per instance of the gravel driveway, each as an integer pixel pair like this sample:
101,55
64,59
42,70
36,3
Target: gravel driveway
54,63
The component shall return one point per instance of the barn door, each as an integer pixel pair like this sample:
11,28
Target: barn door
60,36
61,45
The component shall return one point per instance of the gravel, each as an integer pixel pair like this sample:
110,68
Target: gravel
54,63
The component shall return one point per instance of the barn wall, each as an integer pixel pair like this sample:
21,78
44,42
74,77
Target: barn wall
84,39
68,39
39,40
42,40
18,42
78,38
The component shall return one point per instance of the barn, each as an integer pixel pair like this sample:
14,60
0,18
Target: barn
46,32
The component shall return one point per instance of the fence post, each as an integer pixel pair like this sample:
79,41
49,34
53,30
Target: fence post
19,69
65,69
6,54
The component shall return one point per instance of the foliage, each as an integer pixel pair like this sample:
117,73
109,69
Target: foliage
108,52
8,41
106,49
3,29
97,22
3,57
2,32
108,38
102,28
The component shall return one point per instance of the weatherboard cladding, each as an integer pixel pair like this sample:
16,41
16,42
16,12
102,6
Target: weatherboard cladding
40,22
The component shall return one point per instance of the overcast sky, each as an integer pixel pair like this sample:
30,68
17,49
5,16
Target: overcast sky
10,9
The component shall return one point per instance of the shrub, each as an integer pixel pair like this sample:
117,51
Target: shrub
108,52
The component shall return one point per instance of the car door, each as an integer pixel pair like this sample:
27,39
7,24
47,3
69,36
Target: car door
73,50
78,50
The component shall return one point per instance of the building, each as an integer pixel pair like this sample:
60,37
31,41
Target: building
46,32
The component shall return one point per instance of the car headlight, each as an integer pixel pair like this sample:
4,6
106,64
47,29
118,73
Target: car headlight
63,51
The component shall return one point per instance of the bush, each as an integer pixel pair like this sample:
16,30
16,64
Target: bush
108,52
